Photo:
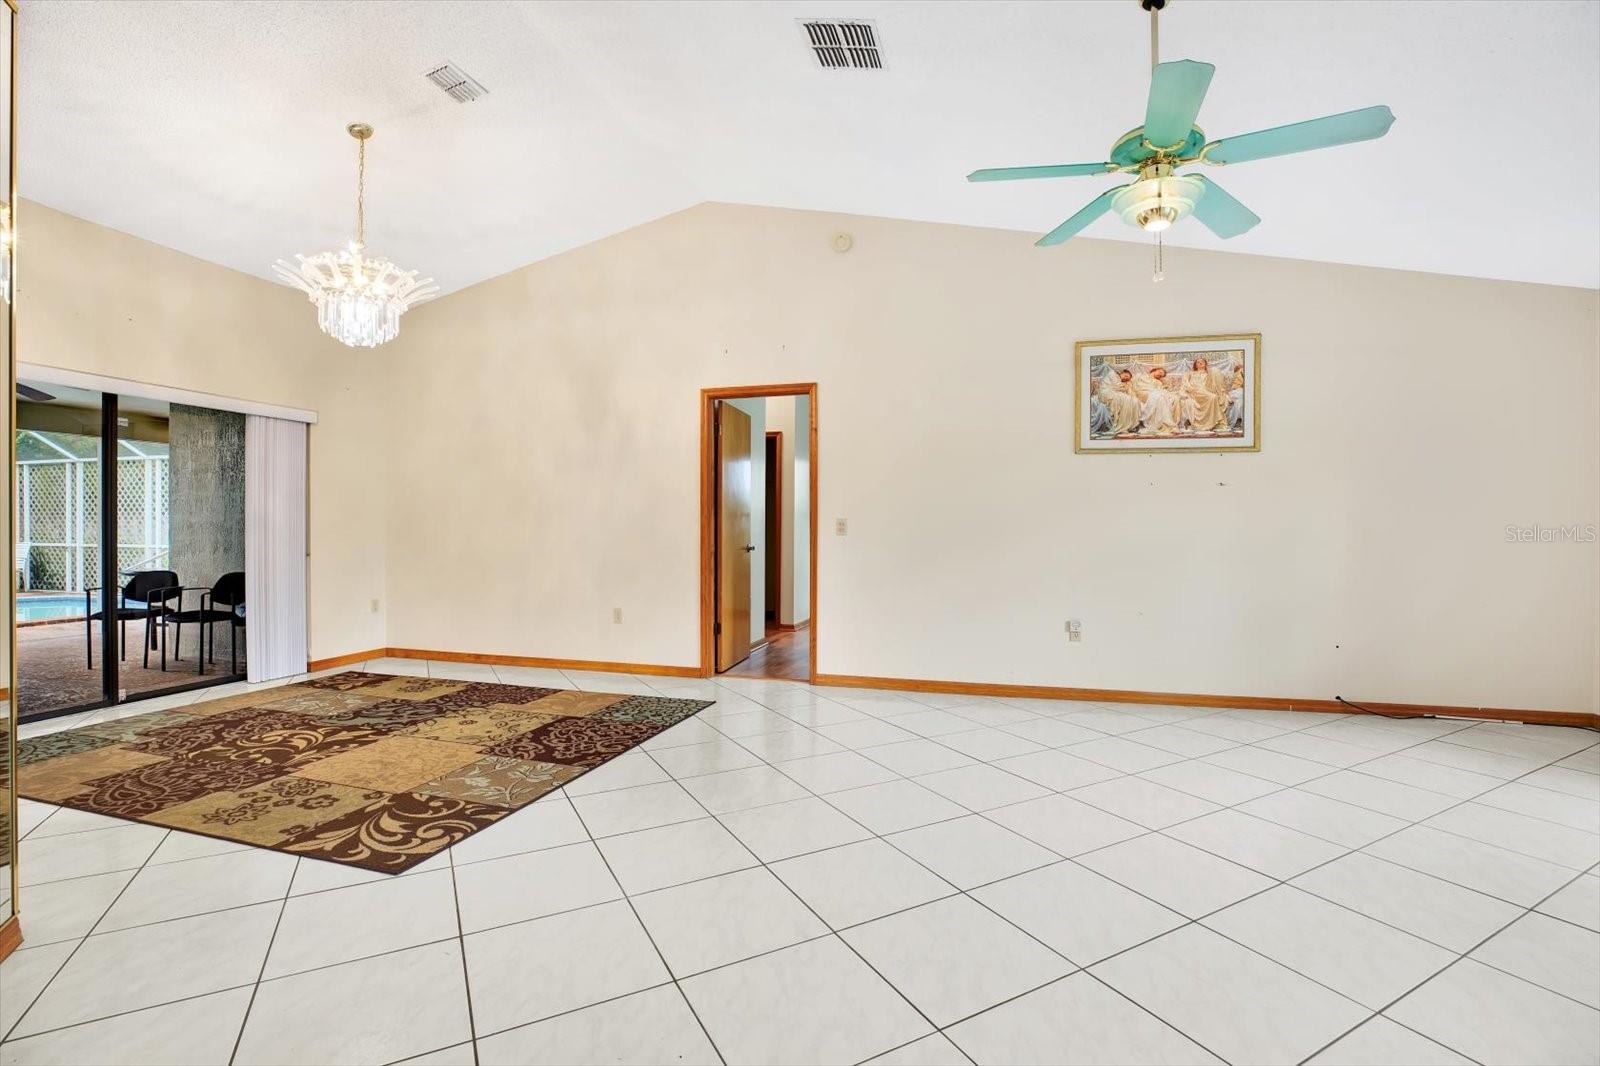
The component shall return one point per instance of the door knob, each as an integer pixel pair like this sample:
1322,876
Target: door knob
748,548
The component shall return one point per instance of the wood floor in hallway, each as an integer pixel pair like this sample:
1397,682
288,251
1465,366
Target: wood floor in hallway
786,654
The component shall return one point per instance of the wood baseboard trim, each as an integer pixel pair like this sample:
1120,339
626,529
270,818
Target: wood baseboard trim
787,628
655,669
981,688
10,935
345,660
1193,699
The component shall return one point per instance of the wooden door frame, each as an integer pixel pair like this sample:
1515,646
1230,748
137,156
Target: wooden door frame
775,552
708,509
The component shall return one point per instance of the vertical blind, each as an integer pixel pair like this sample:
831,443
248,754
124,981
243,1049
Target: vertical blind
275,547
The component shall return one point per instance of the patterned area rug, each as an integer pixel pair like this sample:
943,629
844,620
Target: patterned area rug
370,770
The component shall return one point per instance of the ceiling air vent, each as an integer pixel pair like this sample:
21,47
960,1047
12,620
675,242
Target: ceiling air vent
841,44
455,81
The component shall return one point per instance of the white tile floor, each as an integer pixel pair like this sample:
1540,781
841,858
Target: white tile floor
818,876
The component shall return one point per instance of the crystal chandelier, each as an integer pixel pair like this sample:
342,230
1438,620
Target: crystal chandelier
359,298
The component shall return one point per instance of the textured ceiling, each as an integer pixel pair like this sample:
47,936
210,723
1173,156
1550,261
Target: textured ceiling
218,129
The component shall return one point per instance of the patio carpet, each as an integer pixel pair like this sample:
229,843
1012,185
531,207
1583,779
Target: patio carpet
369,770
53,673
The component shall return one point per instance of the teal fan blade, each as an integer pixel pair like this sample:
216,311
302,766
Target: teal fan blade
1087,214
1347,128
1176,92
1062,170
1221,213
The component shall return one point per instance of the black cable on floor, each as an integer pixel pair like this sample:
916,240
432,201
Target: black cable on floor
1403,717
1381,714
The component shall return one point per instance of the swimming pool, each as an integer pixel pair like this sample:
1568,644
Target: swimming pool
52,607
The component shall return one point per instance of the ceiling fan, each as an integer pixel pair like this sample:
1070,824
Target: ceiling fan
1169,139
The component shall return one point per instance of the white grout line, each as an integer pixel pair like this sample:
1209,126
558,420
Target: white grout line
648,935
81,941
461,946
865,753
261,971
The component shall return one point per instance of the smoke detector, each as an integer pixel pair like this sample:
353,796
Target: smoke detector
843,44
461,86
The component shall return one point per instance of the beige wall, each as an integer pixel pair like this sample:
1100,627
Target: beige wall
100,301
545,443
525,457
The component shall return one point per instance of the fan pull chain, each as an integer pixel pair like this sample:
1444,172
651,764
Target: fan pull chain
1161,266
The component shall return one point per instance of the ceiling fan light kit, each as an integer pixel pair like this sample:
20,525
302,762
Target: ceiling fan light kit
1160,197
1154,203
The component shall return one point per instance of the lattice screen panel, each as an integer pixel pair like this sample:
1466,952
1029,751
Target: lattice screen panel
47,498
59,520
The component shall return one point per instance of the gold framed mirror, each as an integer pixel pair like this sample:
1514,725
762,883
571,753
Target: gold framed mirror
10,926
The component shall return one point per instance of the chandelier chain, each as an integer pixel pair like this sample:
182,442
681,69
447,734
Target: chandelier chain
361,192
359,297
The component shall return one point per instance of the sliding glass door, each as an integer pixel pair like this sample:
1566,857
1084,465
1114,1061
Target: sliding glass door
152,495
59,461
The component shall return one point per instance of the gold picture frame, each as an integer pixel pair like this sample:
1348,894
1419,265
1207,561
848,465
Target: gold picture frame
10,906
1164,426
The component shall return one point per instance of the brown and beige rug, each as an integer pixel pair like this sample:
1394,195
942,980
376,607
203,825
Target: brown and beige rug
370,770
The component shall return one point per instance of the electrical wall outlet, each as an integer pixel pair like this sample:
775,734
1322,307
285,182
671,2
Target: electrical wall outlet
1074,630
840,527
374,605
616,615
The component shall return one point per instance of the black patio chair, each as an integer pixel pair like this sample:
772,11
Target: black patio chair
237,623
218,604
144,588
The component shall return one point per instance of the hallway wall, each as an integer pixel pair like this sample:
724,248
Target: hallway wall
791,416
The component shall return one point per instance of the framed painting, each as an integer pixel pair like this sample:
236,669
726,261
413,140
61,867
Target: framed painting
1168,394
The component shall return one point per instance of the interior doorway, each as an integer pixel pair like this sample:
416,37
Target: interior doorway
758,487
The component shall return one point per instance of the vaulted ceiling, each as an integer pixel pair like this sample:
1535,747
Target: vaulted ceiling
218,129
